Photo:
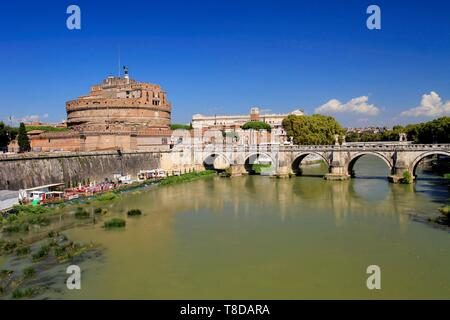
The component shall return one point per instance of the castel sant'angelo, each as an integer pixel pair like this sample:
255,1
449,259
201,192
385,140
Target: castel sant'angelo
118,114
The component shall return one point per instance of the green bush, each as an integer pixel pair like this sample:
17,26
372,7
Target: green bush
11,218
134,212
5,273
80,213
257,125
23,251
29,209
176,126
26,293
13,228
106,196
115,223
8,246
100,211
42,253
260,168
29,272
39,220
407,178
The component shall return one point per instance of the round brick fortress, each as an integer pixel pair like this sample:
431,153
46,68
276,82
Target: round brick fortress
120,103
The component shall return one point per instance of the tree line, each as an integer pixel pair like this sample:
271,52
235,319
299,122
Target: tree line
434,131
319,129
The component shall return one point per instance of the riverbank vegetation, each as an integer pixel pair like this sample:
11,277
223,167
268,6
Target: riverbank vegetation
134,212
114,223
407,178
186,177
26,259
108,196
20,218
259,168
27,277
23,217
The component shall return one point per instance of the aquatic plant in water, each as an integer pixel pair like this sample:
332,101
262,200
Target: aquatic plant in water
134,212
114,223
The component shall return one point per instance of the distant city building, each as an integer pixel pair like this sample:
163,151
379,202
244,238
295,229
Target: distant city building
118,114
275,120
230,127
365,130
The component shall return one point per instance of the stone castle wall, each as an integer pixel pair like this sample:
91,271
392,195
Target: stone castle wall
31,170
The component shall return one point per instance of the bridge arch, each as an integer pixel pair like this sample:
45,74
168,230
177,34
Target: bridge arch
354,158
298,158
419,158
251,157
209,161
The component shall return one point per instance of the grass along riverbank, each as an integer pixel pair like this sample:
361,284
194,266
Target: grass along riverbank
26,258
192,176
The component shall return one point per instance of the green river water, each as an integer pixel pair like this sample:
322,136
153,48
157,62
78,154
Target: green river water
263,238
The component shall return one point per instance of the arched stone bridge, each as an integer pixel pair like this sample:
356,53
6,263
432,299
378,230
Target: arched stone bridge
398,156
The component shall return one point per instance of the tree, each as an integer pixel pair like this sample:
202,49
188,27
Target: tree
4,137
176,126
315,129
23,140
257,125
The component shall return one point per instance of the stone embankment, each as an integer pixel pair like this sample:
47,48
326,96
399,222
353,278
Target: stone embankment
18,171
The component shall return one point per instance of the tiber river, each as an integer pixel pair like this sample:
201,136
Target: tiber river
262,238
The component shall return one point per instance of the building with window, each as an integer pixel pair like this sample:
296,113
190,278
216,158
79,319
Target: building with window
230,125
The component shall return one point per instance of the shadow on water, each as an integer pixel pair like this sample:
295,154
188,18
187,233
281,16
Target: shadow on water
320,176
360,177
433,186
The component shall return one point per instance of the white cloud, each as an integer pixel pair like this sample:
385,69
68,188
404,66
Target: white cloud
357,105
28,118
31,118
431,105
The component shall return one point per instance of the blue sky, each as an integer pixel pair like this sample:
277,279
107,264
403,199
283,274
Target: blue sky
225,56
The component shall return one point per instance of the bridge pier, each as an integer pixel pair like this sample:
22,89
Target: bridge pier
337,172
236,170
283,172
398,172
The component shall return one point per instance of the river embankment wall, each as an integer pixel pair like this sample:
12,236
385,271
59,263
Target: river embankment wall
19,171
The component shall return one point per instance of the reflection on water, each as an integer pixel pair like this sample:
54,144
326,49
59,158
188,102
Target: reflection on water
260,237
